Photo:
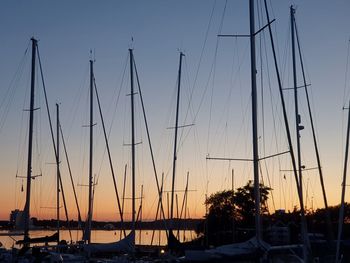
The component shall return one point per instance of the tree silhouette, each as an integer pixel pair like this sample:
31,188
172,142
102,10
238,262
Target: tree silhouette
226,208
244,201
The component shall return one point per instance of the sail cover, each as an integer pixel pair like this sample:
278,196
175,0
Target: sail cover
125,245
250,248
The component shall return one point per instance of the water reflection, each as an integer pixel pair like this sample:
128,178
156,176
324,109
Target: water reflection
143,237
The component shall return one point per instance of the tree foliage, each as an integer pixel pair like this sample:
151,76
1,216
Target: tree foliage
239,205
227,208
244,201
221,206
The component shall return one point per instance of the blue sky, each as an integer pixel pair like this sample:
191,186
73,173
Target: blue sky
67,30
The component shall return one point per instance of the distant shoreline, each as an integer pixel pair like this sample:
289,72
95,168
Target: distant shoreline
180,224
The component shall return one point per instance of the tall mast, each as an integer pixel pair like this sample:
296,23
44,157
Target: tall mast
293,159
342,206
298,128
58,171
255,123
285,118
328,218
132,140
175,139
30,144
88,229
297,116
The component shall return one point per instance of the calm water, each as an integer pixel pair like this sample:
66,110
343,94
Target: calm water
100,236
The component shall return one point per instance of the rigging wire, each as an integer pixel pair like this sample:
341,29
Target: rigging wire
126,119
11,90
200,58
307,90
184,134
53,140
149,139
262,43
286,56
77,101
282,192
118,95
20,154
37,147
168,145
113,118
345,100
285,80
314,135
189,109
116,105
277,46
274,126
71,177
109,154
346,91
212,75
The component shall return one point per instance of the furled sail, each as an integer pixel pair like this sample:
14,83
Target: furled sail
125,245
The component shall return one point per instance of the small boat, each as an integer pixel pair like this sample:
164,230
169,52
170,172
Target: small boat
250,249
46,239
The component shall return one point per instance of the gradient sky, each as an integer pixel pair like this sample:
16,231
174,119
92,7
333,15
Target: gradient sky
217,81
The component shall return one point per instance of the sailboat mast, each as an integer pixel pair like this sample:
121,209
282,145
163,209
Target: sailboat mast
293,158
88,232
297,116
328,218
175,138
58,171
30,143
132,139
254,122
298,129
342,205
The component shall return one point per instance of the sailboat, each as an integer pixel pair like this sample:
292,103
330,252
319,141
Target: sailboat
256,247
173,243
27,252
26,211
126,245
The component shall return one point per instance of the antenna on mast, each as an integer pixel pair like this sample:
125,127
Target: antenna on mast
131,45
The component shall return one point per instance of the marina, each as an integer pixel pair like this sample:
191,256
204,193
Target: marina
223,152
